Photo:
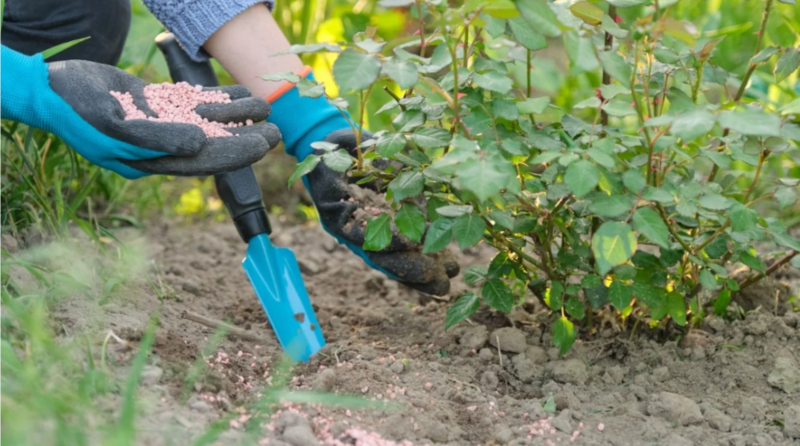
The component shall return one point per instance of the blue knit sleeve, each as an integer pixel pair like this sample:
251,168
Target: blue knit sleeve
194,21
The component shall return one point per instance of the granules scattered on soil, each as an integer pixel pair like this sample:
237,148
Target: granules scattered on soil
176,103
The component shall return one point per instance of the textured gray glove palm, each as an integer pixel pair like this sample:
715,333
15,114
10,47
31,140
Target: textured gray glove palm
138,147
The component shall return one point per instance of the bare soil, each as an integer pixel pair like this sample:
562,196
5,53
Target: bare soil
729,384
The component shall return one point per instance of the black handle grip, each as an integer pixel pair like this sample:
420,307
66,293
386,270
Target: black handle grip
238,189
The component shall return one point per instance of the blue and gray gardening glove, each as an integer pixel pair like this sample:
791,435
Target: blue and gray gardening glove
71,99
303,121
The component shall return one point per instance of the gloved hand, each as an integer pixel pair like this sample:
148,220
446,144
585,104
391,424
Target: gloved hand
303,121
71,99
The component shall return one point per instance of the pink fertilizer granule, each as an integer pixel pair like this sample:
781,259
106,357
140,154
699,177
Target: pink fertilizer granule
176,103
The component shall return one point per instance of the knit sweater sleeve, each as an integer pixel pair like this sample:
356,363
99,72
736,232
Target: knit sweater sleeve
194,21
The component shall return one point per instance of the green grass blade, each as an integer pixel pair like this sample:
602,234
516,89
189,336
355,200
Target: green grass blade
124,433
50,52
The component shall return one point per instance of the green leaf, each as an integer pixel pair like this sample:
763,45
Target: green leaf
378,234
708,280
475,274
539,16
752,261
338,160
533,105
791,108
690,126
742,218
431,137
554,296
575,308
498,295
407,184
461,309
764,55
634,180
649,223
616,66
751,122
587,12
613,244
454,210
601,158
787,64
676,308
493,81
282,76
715,202
468,230
564,335
485,177
611,27
592,102
502,219
303,168
310,89
525,35
390,144
355,71
610,206
52,51
786,197
410,221
403,73
304,49
619,108
722,302
620,295
658,195
439,235
582,177
651,296
581,51
627,3
505,109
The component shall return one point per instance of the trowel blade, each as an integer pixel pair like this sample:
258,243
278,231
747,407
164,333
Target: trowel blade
275,276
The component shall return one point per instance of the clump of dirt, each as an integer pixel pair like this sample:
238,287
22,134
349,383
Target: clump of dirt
485,381
370,205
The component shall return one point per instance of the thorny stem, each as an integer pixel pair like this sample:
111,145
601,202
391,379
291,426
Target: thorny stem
672,231
752,67
466,45
746,78
638,106
528,94
394,96
716,234
362,112
763,156
608,43
421,29
774,267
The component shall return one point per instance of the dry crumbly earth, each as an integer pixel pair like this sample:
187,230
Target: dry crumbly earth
729,385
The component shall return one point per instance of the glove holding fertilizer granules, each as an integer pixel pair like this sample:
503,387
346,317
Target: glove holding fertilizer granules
118,122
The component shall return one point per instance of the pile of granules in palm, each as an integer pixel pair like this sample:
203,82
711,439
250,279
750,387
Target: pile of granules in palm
176,103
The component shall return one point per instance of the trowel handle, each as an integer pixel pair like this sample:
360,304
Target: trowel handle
238,189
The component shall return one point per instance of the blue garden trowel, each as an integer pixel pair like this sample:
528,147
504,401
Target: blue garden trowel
272,271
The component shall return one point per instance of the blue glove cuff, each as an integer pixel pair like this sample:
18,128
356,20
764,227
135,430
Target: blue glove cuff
304,120
23,78
28,98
